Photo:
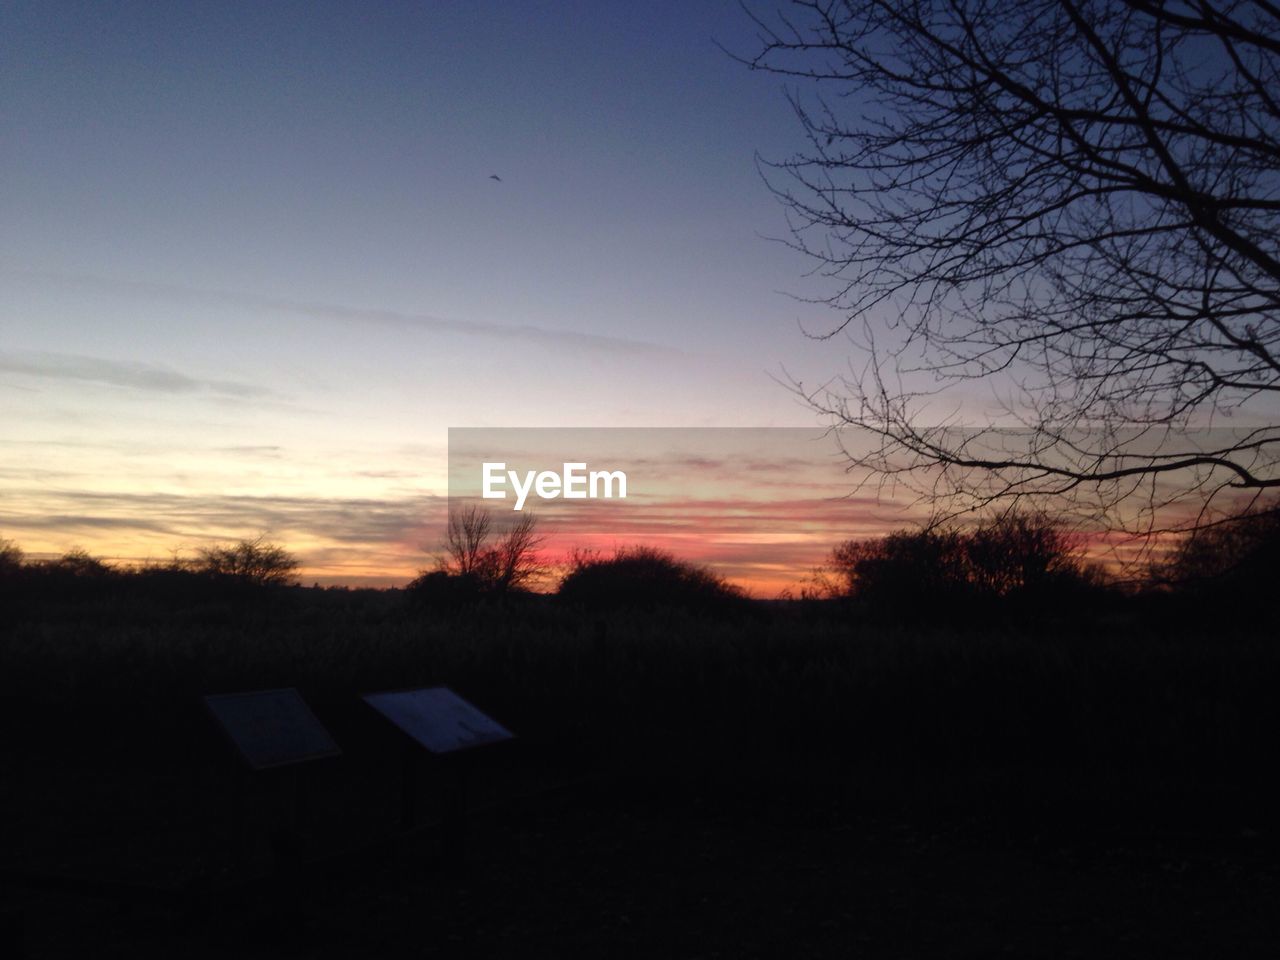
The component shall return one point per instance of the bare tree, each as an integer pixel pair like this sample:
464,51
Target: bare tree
466,540
510,561
515,557
1072,201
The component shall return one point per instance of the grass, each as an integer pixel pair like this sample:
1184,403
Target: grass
767,770
775,689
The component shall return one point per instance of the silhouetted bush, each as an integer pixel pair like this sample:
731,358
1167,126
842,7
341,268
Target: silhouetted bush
12,602
441,591
1015,563
222,583
65,584
11,557
77,563
894,573
647,578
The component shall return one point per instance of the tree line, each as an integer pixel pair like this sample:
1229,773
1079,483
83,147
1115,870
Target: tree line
1020,561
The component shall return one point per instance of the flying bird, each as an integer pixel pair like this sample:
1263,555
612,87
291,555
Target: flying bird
494,176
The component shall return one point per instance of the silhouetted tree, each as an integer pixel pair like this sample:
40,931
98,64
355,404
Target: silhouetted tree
256,562
482,561
514,562
467,540
1072,202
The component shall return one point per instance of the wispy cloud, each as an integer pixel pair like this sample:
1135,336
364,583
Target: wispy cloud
366,316
76,524
117,373
270,451
201,517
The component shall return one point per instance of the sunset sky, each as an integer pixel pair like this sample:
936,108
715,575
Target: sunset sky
254,263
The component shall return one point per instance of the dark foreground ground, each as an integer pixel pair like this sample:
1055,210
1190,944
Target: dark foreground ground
632,866
777,786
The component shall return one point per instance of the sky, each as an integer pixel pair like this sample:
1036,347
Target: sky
255,263
761,506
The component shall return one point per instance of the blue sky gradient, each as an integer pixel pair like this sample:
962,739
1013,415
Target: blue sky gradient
254,250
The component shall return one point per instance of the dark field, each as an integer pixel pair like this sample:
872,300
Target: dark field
782,781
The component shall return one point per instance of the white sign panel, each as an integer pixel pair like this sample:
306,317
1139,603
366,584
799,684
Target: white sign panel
272,728
438,719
